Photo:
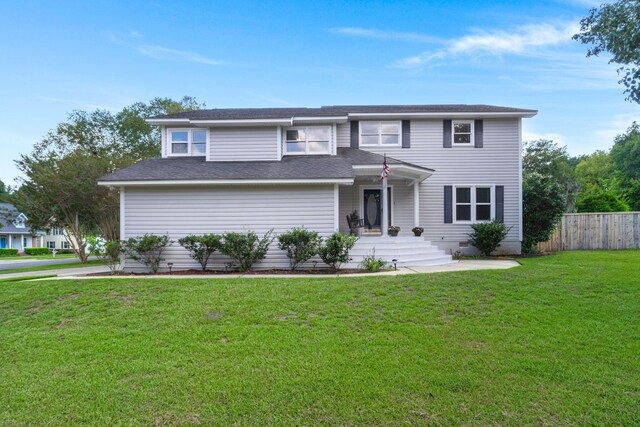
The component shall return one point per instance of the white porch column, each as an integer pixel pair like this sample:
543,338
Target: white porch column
10,242
385,209
416,203
21,243
336,207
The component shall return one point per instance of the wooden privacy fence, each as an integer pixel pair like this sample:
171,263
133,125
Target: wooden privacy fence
608,230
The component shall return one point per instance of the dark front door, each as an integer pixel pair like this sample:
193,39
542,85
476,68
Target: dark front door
372,208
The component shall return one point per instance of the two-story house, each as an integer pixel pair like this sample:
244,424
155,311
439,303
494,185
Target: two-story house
239,169
14,232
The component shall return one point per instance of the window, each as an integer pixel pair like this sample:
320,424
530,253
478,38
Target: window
19,222
308,140
64,245
188,142
462,132
51,245
473,204
386,133
25,241
56,231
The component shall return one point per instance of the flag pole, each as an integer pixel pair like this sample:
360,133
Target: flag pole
385,212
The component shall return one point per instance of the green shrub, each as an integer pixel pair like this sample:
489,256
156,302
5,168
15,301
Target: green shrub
65,251
95,245
110,252
147,249
36,251
201,247
602,201
246,249
487,236
373,264
335,250
300,245
8,252
543,205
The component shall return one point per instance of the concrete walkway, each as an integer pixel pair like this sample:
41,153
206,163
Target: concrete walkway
464,265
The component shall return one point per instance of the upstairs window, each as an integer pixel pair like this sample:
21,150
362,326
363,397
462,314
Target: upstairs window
56,231
473,204
19,222
188,142
462,132
381,133
308,140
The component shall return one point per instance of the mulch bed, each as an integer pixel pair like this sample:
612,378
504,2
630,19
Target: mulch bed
248,273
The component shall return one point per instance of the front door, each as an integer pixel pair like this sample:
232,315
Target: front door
372,209
3,242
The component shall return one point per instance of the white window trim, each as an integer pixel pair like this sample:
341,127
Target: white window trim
285,152
471,136
189,141
51,244
473,203
379,122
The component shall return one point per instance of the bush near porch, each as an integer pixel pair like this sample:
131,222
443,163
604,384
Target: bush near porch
556,341
8,252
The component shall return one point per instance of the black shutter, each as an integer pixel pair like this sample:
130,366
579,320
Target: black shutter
500,203
446,133
355,134
406,134
477,130
448,204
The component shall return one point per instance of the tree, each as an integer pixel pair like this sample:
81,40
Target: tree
595,173
625,155
5,192
546,158
615,28
60,189
543,206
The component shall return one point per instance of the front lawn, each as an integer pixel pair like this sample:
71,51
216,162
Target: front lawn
556,341
36,257
90,263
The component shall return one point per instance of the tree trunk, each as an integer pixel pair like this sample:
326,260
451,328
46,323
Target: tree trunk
77,238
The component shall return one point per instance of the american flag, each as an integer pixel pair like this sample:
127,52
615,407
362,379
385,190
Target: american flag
385,169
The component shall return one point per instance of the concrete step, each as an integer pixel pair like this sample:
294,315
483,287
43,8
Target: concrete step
409,251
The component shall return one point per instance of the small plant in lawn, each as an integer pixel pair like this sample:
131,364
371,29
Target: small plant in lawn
335,250
201,247
147,249
246,249
371,263
487,236
110,253
300,245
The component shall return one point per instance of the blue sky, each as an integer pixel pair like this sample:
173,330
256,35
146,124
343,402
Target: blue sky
63,56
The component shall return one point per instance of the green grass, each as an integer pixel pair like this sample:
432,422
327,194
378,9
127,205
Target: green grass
90,263
554,342
23,278
36,257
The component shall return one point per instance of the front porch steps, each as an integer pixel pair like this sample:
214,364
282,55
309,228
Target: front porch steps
410,251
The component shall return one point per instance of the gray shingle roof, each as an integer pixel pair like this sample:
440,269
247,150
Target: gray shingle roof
8,214
291,167
335,110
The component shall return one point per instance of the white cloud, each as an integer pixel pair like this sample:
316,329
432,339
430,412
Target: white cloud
133,40
373,33
528,135
524,40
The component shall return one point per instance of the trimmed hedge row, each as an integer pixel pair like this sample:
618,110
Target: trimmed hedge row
8,252
36,251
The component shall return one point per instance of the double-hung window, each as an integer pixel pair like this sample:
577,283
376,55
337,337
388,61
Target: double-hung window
188,142
51,245
473,203
308,140
462,133
383,133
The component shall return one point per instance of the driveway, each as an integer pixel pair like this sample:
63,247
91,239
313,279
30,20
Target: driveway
20,263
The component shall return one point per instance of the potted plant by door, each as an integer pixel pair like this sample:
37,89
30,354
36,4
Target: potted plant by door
417,231
393,230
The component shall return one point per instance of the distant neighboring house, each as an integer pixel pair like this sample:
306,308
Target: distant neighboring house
14,232
55,239
449,167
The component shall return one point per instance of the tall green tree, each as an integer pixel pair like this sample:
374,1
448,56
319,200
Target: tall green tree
59,187
5,192
595,173
543,205
615,28
625,156
546,158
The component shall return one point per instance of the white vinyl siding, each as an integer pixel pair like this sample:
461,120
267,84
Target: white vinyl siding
179,211
497,163
241,144
343,134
